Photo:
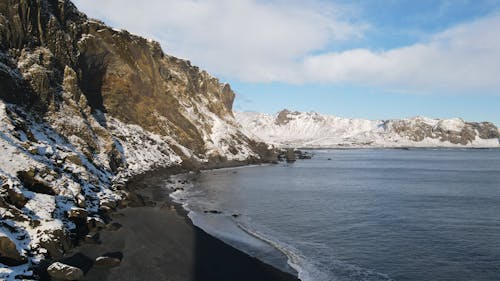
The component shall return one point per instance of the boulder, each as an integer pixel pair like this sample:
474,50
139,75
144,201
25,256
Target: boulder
114,226
34,183
77,213
56,241
63,271
15,197
290,155
106,261
9,255
95,223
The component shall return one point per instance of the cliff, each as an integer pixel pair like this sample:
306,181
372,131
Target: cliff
313,130
83,107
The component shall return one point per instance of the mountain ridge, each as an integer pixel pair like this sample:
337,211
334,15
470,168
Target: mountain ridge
314,130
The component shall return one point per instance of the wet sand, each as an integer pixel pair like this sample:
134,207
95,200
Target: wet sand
160,243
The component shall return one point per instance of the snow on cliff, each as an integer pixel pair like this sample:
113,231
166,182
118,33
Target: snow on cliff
295,129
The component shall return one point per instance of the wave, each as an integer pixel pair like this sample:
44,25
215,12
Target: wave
226,228
306,270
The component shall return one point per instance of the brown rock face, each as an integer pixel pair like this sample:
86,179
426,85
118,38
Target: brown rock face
9,254
129,77
51,53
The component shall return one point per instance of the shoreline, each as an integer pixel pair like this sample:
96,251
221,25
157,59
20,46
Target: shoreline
158,241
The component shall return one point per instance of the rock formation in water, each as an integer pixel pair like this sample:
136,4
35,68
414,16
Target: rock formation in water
296,129
83,107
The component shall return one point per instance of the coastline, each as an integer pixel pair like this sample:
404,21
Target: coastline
157,241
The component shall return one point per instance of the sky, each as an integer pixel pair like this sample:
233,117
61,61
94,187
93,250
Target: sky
374,59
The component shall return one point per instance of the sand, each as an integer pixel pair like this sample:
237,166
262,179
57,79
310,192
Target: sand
160,243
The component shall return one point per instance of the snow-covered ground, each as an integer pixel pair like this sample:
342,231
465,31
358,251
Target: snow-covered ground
313,130
54,153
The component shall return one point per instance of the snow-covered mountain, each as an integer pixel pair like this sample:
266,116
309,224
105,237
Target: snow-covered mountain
313,130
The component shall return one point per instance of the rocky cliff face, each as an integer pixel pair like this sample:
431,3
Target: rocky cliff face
83,107
311,129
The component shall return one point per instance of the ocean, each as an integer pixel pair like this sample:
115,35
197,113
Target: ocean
361,214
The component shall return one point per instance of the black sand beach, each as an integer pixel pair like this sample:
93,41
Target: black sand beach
160,243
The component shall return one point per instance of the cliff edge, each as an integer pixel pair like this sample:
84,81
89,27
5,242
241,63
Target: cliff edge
84,107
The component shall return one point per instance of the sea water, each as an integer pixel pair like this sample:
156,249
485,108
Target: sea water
382,214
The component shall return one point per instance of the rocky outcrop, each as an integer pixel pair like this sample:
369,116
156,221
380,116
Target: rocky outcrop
83,107
454,131
61,271
285,116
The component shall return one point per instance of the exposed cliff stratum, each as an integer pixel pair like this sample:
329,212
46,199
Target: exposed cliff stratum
83,107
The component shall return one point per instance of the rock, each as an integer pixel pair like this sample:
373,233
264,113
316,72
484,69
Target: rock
285,116
9,255
74,158
77,213
114,226
290,155
303,154
3,203
63,271
95,224
212,212
15,197
92,238
56,241
34,183
105,261
115,158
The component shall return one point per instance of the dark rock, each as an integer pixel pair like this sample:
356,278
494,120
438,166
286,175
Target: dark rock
92,238
14,197
107,261
77,213
303,154
63,271
95,224
115,158
56,241
290,155
113,226
9,255
34,183
212,212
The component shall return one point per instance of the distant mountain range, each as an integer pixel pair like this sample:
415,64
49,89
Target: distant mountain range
314,130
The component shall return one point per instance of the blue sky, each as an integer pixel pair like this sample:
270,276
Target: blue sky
376,59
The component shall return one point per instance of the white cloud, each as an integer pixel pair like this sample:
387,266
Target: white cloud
462,59
248,39
287,41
